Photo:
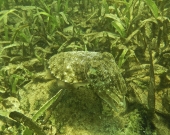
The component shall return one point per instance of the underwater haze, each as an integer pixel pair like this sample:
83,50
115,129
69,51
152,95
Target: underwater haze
84,67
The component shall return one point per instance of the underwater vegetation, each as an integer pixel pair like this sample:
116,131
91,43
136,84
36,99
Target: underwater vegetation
125,92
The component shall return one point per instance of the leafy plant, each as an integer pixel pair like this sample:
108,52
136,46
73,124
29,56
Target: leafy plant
31,31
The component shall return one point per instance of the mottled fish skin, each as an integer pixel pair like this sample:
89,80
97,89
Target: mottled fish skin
97,69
